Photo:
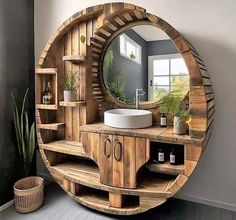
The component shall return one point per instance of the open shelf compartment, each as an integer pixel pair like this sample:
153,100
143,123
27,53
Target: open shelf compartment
43,76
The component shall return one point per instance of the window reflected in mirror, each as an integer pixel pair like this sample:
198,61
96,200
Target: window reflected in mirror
144,57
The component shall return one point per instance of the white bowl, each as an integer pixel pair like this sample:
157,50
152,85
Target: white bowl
128,118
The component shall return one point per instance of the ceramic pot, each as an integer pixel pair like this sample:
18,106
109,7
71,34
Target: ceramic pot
179,126
69,96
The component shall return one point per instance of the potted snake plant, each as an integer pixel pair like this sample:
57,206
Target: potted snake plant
173,103
28,191
70,84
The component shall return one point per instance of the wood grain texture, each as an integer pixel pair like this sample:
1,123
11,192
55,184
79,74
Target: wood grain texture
113,186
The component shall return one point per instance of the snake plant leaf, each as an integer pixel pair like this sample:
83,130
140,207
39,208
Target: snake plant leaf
16,123
31,144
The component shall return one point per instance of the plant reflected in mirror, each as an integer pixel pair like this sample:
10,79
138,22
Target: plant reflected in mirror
144,57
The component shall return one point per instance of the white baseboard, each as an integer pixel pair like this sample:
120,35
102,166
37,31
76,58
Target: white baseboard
6,205
205,201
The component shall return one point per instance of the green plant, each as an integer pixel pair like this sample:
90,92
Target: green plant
70,81
173,103
132,56
25,137
114,80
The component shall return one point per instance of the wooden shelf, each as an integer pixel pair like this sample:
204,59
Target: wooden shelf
72,104
47,71
101,203
51,126
153,133
46,107
74,58
66,147
166,168
88,175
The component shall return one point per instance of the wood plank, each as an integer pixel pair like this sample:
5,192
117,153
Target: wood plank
115,200
129,162
74,58
192,152
47,71
166,168
46,107
66,147
154,132
72,104
51,126
140,153
88,175
106,159
118,159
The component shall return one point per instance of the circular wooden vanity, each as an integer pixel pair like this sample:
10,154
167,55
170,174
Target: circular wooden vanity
104,168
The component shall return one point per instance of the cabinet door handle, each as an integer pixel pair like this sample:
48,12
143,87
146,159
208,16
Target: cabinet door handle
107,147
118,150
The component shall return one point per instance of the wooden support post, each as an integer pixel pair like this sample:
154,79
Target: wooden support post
115,200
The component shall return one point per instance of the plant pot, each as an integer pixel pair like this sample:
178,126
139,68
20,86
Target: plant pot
179,126
28,194
69,96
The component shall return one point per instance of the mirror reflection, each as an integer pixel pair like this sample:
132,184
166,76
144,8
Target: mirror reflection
144,58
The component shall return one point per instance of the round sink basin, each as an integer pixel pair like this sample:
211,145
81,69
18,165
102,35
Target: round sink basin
128,118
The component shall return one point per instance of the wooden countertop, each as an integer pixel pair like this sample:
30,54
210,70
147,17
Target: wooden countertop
154,133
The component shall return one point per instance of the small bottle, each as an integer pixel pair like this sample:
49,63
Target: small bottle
163,120
47,94
161,156
173,157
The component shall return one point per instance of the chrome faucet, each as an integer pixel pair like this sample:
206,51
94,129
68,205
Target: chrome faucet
138,93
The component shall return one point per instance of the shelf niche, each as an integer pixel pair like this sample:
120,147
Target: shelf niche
44,75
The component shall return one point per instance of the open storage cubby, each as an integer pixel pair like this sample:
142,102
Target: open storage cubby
166,167
43,76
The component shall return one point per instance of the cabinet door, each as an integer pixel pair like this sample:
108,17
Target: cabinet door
129,162
106,159
118,161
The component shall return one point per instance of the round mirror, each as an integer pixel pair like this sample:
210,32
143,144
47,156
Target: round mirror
144,57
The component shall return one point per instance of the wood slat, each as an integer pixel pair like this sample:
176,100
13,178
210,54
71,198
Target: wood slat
51,126
89,176
66,147
46,71
166,168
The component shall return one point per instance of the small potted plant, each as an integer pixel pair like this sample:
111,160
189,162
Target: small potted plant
70,84
174,104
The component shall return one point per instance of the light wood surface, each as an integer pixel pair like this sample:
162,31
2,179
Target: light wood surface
66,147
122,182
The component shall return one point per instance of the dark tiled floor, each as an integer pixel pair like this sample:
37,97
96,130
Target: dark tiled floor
59,206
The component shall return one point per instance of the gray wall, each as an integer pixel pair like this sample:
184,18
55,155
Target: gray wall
134,74
16,71
161,47
209,26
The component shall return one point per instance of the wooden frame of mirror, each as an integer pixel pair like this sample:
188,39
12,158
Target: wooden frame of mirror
201,97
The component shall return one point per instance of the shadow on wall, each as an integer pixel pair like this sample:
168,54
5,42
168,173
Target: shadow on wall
16,74
218,161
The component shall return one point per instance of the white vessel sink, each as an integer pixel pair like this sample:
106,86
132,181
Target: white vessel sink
128,118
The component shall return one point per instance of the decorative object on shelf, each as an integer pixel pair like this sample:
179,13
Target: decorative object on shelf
132,56
82,39
29,194
25,136
163,121
161,156
173,103
173,157
47,94
70,84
